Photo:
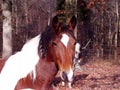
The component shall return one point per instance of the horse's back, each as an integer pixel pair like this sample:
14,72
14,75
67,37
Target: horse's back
19,65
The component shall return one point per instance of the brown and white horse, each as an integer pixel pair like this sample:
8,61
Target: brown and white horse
40,59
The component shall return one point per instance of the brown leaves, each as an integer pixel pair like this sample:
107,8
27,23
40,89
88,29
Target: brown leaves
99,75
98,4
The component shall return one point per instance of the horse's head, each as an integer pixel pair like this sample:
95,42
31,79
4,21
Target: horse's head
63,47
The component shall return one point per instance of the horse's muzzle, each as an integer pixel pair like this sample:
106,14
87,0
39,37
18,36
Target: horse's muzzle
67,77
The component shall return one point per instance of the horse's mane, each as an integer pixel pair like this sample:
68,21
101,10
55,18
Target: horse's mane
46,37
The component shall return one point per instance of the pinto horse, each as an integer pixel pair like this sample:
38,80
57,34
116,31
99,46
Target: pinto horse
40,59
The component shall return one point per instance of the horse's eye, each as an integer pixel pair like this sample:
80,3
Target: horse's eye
54,44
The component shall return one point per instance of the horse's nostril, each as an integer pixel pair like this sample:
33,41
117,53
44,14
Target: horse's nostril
64,76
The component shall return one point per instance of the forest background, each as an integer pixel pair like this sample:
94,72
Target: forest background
98,27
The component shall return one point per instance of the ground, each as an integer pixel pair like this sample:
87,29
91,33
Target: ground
96,75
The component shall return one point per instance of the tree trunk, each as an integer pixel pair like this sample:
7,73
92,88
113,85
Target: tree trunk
116,29
76,28
7,28
26,18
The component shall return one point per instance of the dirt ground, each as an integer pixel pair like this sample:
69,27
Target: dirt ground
96,75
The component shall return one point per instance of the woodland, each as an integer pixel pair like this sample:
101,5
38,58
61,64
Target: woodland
97,30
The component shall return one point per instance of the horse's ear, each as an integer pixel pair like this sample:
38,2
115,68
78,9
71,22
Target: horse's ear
55,23
72,23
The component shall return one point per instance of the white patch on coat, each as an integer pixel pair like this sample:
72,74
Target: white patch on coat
20,64
77,50
65,39
77,47
70,77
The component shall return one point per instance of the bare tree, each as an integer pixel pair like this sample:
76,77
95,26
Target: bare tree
116,27
7,28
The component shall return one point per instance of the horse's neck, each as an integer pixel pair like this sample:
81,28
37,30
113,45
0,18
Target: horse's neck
46,71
